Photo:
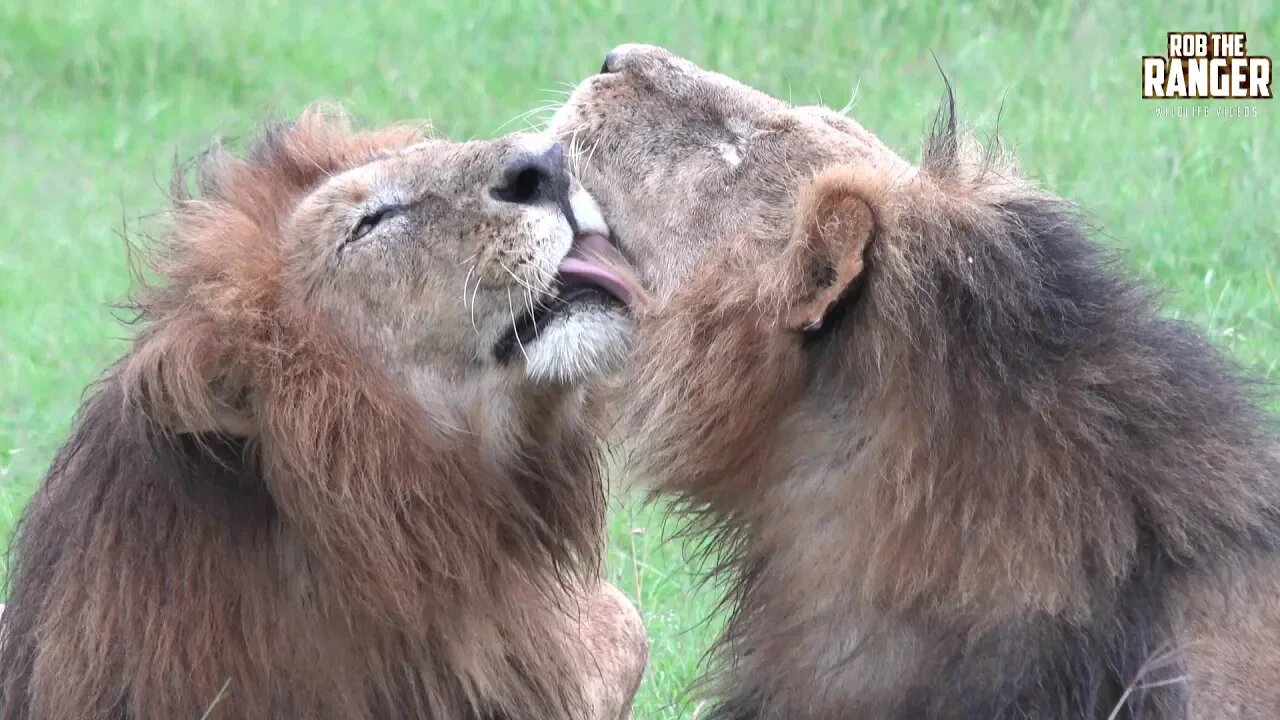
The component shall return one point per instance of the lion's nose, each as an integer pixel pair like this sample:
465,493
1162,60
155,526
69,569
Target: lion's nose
610,62
624,56
535,178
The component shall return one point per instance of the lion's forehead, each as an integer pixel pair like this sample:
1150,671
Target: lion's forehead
695,106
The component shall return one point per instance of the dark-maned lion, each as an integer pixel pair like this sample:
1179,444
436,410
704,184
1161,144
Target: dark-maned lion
344,471
956,464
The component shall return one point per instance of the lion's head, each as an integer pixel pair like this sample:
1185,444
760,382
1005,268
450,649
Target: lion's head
346,467
955,462
683,160
458,265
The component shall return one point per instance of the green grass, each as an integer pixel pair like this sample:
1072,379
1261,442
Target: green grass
100,97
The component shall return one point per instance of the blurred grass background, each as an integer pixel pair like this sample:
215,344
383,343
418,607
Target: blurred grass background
99,98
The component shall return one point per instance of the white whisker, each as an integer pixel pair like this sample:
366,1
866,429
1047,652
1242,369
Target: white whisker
546,107
519,281
594,146
545,277
528,296
466,281
475,291
515,329
575,151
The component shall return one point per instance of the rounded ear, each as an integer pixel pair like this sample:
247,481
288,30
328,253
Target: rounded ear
825,258
187,385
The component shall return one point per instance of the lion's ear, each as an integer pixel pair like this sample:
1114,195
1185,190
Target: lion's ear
187,386
826,257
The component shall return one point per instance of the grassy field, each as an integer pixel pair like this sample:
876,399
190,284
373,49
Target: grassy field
100,97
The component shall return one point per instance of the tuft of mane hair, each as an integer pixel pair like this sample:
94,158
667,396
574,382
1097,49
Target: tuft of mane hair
980,488
247,516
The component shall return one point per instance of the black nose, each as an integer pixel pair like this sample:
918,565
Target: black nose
535,178
610,63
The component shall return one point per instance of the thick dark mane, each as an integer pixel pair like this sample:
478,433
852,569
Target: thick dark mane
1097,451
247,511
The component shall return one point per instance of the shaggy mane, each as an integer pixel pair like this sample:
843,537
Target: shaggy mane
248,514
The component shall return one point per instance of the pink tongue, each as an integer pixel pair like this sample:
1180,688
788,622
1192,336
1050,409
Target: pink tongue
586,263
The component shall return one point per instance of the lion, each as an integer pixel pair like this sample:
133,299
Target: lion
952,461
348,467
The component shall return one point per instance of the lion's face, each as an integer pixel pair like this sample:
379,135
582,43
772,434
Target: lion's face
682,159
465,258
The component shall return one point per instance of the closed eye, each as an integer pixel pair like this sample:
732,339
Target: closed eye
371,220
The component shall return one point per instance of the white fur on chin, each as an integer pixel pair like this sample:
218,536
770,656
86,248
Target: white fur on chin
588,342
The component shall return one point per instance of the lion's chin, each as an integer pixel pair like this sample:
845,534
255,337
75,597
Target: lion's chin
590,339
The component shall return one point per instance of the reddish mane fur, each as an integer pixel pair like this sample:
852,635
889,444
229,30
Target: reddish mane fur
248,512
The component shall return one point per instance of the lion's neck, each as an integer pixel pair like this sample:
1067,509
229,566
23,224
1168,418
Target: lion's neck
501,410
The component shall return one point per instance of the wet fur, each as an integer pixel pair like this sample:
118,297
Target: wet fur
982,489
249,516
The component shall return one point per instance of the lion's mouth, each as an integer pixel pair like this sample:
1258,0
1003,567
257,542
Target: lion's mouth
589,274
592,264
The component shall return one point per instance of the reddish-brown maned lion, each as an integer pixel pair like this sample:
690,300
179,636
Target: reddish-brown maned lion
955,463
345,470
